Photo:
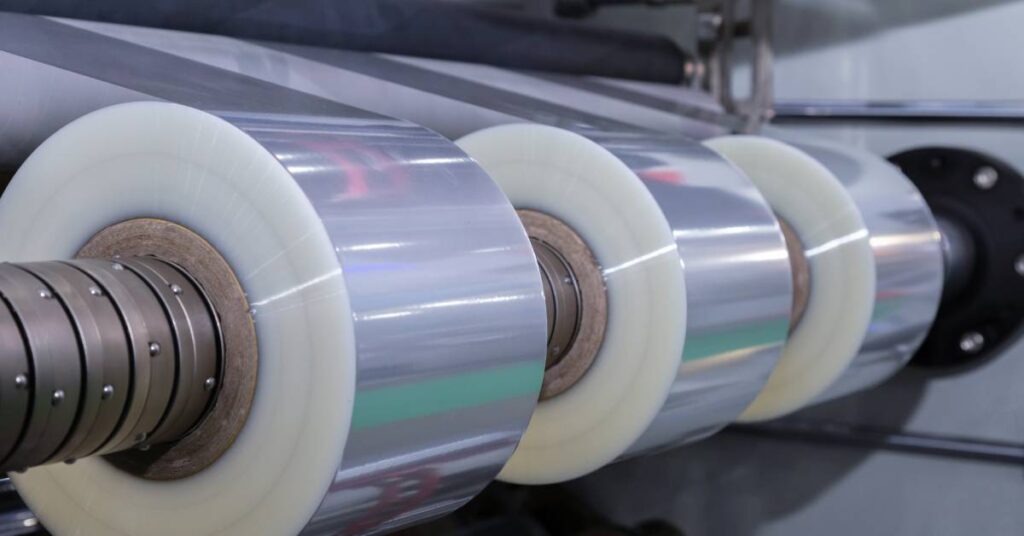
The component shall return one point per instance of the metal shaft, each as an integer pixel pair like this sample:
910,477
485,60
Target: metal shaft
100,356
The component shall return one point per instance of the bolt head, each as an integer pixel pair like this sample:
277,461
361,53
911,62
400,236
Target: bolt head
45,294
96,291
57,397
21,381
117,266
972,342
986,177
154,349
108,391
209,384
1018,265
175,289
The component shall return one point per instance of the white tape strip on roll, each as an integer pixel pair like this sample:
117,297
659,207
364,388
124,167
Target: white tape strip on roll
579,182
393,289
842,271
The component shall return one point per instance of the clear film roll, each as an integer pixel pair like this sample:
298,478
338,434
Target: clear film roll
738,286
908,262
397,305
834,240
586,187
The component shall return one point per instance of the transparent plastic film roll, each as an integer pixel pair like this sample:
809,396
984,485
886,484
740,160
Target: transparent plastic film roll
834,241
396,298
648,207
907,249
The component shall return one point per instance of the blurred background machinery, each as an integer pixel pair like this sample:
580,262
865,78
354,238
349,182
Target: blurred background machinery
932,86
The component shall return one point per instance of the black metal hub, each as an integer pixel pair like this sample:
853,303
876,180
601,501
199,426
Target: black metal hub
978,202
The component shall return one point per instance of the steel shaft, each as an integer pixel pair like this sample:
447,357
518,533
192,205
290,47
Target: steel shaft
100,356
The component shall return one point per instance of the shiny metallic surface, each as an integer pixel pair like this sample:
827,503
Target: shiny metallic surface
738,283
449,316
196,344
81,361
144,320
908,262
14,392
448,313
52,348
104,353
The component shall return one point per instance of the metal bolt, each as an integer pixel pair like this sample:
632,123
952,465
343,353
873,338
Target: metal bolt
96,291
117,266
986,177
57,397
972,342
154,349
175,289
45,294
209,384
1018,265
139,438
108,391
21,381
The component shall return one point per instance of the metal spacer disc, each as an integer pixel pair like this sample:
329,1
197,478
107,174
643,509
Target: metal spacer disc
236,383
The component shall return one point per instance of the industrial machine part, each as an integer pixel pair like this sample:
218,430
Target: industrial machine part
443,316
976,200
400,318
834,239
101,357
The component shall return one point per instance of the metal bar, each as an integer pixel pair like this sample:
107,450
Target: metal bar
900,111
837,433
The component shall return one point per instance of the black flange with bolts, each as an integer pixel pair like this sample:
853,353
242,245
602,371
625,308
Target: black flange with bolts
978,203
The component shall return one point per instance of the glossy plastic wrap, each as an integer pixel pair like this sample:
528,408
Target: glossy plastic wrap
397,301
908,263
738,286
641,395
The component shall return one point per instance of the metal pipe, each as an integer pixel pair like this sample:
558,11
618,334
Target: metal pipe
958,254
101,356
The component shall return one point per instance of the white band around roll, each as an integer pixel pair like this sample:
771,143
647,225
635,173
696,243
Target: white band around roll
580,183
842,269
168,161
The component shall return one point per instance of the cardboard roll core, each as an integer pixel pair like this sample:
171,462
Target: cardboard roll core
236,384
577,302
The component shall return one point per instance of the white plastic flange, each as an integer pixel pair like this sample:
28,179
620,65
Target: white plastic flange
577,181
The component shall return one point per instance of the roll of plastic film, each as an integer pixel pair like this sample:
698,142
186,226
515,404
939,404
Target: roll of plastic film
398,309
908,262
640,202
738,286
840,264
586,187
